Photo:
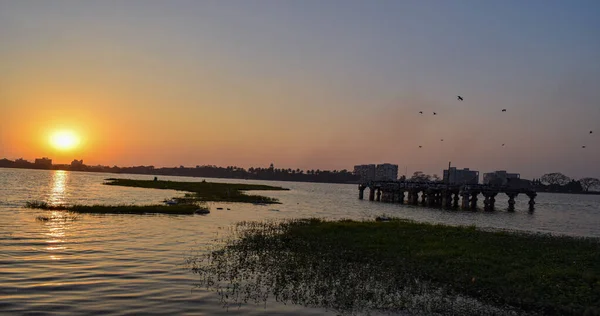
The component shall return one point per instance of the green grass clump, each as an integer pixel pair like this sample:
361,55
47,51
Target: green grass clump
401,265
205,191
120,209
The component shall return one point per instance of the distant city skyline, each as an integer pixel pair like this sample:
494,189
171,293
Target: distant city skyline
305,84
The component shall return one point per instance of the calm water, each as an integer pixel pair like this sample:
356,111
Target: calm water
132,264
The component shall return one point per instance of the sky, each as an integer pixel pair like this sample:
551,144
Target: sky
308,84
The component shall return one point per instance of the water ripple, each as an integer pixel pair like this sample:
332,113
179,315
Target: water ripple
131,265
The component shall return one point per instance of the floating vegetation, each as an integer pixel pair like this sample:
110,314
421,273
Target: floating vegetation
205,191
358,267
42,218
122,209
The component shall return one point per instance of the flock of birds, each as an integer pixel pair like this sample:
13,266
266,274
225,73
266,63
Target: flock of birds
460,98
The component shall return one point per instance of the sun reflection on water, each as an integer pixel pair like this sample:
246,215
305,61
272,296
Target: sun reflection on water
59,187
55,236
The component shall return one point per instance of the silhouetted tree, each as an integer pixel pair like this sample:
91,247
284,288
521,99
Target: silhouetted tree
419,176
588,183
555,178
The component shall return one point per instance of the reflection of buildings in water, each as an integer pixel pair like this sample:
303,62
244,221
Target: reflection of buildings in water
59,187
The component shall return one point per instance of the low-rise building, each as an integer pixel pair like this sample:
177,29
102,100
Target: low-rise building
500,177
461,176
44,162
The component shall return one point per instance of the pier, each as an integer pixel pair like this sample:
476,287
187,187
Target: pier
435,194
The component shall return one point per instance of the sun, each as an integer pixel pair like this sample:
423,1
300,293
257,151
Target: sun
64,140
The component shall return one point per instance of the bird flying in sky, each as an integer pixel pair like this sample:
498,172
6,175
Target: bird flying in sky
460,98
434,113
420,112
503,110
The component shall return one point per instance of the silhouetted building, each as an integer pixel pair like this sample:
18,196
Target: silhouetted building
77,163
365,172
500,177
458,176
22,163
386,172
44,162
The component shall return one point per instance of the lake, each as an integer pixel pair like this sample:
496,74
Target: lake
135,264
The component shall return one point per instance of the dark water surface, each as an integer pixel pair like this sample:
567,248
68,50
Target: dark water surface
135,264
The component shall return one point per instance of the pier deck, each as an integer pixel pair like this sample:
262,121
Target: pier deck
442,194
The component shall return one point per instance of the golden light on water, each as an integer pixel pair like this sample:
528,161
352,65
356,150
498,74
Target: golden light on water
64,140
56,235
59,187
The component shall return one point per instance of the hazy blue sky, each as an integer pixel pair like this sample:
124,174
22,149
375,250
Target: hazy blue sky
308,84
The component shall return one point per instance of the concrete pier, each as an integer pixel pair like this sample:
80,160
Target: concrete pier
435,194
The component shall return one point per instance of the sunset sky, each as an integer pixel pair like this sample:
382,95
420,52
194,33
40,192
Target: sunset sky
305,84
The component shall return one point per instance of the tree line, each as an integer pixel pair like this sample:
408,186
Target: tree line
209,171
558,182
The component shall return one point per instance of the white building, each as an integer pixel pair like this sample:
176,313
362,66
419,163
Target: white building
386,172
366,172
458,176
500,177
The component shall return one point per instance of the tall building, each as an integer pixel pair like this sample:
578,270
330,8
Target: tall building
500,177
458,176
386,172
365,172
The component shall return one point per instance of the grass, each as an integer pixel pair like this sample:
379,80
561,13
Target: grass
198,192
119,209
353,266
205,191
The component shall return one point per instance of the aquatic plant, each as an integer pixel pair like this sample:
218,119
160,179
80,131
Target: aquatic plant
205,191
42,218
366,266
190,208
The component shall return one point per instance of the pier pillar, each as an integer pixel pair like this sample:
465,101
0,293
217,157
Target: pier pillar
371,194
378,195
474,200
414,197
401,197
361,192
455,200
489,200
423,197
446,199
430,198
465,200
511,200
531,196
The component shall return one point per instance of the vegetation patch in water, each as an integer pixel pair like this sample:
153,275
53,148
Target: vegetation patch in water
121,209
205,191
398,265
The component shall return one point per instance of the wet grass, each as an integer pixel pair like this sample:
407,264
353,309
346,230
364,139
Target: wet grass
399,265
120,209
205,191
